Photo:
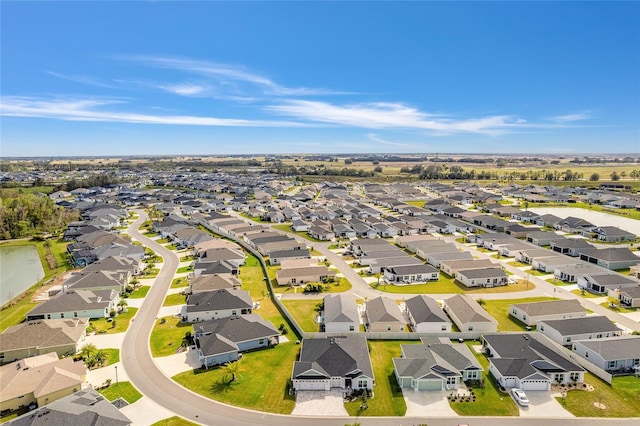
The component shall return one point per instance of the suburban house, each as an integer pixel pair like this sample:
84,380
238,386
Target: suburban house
606,283
612,354
611,234
572,273
630,297
571,246
529,362
411,274
31,338
340,313
334,362
213,282
86,406
39,380
574,225
450,267
566,331
549,264
276,257
383,314
303,275
426,316
435,364
468,315
222,340
77,304
210,305
531,313
236,257
484,277
613,258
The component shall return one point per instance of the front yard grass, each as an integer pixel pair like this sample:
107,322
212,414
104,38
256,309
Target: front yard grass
141,292
622,398
499,309
184,269
167,336
586,294
261,382
174,421
113,356
618,308
489,400
388,399
287,228
449,285
119,324
536,273
303,311
124,390
175,299
557,282
179,282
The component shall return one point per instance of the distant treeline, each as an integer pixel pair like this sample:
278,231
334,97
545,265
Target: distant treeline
23,214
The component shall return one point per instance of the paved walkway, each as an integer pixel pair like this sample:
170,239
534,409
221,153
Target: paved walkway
543,404
320,403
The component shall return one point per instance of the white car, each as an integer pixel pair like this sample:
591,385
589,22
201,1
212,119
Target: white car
520,397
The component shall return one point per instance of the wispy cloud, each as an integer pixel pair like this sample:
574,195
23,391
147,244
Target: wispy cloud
568,118
93,110
385,115
184,89
229,74
83,79
375,138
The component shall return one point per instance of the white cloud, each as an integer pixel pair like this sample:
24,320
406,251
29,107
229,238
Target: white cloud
375,138
82,79
386,115
91,110
184,89
568,118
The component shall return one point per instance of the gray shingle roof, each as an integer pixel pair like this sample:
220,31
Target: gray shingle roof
383,309
615,348
468,310
425,309
572,326
334,356
340,308
550,307
226,298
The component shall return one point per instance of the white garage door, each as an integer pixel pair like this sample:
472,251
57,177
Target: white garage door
313,385
535,385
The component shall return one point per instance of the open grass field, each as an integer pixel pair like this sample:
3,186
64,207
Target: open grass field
124,390
14,311
174,421
621,399
499,309
303,311
388,399
167,335
119,324
261,382
489,400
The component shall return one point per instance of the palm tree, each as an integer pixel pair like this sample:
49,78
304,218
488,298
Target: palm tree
231,368
101,357
88,351
122,303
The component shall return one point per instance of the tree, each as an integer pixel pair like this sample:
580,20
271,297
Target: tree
88,351
594,177
615,176
101,357
122,303
231,369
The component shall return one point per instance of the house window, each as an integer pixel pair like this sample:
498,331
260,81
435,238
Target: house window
234,312
48,316
611,364
61,314
559,378
586,354
524,318
388,328
635,361
362,384
568,339
444,328
352,328
470,328
542,328
575,377
1,355
261,342
75,315
451,380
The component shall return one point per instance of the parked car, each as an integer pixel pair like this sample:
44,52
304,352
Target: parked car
520,397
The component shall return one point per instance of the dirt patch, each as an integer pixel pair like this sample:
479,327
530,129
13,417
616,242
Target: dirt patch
37,295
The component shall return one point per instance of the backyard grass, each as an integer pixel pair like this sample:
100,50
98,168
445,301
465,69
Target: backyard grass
119,324
499,309
489,400
388,399
140,293
174,421
175,299
261,382
618,308
179,282
14,312
622,398
449,285
303,311
585,294
167,336
124,390
557,282
253,281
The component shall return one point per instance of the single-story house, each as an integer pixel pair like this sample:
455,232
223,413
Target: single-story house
426,316
340,314
613,354
303,275
411,274
468,315
383,314
531,313
334,362
571,246
483,277
276,257
222,340
606,283
611,234
630,297
436,364
77,304
613,258
529,362
566,331
215,304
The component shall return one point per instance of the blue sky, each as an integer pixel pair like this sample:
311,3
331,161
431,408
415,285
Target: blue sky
136,78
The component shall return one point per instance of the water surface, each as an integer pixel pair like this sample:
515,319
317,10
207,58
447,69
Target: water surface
20,268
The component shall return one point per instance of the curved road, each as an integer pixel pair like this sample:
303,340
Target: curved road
153,384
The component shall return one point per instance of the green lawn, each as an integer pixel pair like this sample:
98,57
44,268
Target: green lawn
175,299
388,399
339,286
179,282
499,309
287,228
303,311
536,273
619,308
152,273
121,322
141,292
14,312
557,282
489,400
449,285
261,384
124,390
585,294
517,264
622,398
184,269
174,421
114,356
167,336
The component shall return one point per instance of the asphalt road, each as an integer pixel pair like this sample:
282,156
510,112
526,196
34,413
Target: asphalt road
152,383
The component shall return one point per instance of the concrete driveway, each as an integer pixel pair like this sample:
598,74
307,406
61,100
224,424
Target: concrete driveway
427,403
543,404
320,403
